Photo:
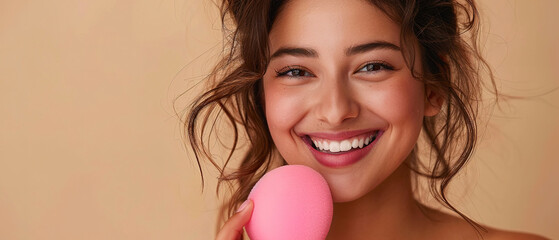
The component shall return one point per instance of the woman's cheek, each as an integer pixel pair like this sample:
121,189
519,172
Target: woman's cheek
283,107
402,102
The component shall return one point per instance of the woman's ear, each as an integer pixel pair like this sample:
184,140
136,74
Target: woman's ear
433,102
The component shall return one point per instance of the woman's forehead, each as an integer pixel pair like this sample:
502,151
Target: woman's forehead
331,24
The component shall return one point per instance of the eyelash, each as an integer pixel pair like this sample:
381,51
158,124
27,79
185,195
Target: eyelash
381,64
297,70
291,69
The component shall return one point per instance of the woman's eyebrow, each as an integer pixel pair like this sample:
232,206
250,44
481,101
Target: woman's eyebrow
309,52
371,46
295,51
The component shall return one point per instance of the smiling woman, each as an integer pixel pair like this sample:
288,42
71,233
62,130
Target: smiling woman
88,144
351,84
347,88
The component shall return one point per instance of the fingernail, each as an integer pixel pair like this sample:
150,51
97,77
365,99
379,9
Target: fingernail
243,206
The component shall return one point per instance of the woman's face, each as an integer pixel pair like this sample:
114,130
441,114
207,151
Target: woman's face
338,95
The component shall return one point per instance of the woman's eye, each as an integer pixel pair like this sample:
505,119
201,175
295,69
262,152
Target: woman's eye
294,72
374,67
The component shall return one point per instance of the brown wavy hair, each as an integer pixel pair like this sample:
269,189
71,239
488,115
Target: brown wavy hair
446,33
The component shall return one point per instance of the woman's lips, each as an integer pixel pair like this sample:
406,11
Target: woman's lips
344,145
338,158
340,135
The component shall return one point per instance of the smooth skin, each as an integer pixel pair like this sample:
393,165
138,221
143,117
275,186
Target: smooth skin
329,80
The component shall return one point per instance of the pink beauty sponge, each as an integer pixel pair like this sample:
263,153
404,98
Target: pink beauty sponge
290,202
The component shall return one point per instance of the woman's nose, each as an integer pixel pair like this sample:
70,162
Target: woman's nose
336,102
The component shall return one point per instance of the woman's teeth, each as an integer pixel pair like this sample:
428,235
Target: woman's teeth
344,145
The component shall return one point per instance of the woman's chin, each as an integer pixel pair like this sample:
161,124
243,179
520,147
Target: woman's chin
341,195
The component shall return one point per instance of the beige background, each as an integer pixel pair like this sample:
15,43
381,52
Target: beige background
90,147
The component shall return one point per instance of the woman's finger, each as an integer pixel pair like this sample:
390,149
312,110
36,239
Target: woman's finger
233,228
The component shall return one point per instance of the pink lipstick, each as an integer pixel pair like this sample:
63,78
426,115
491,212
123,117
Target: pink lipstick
341,149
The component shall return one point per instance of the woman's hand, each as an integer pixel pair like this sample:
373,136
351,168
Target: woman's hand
233,228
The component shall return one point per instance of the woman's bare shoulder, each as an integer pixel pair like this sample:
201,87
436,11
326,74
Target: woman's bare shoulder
498,234
446,226
452,224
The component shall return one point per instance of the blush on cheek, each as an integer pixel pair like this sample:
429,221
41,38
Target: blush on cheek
277,114
280,113
283,106
407,102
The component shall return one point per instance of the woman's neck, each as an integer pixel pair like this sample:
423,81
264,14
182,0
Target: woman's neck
388,212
